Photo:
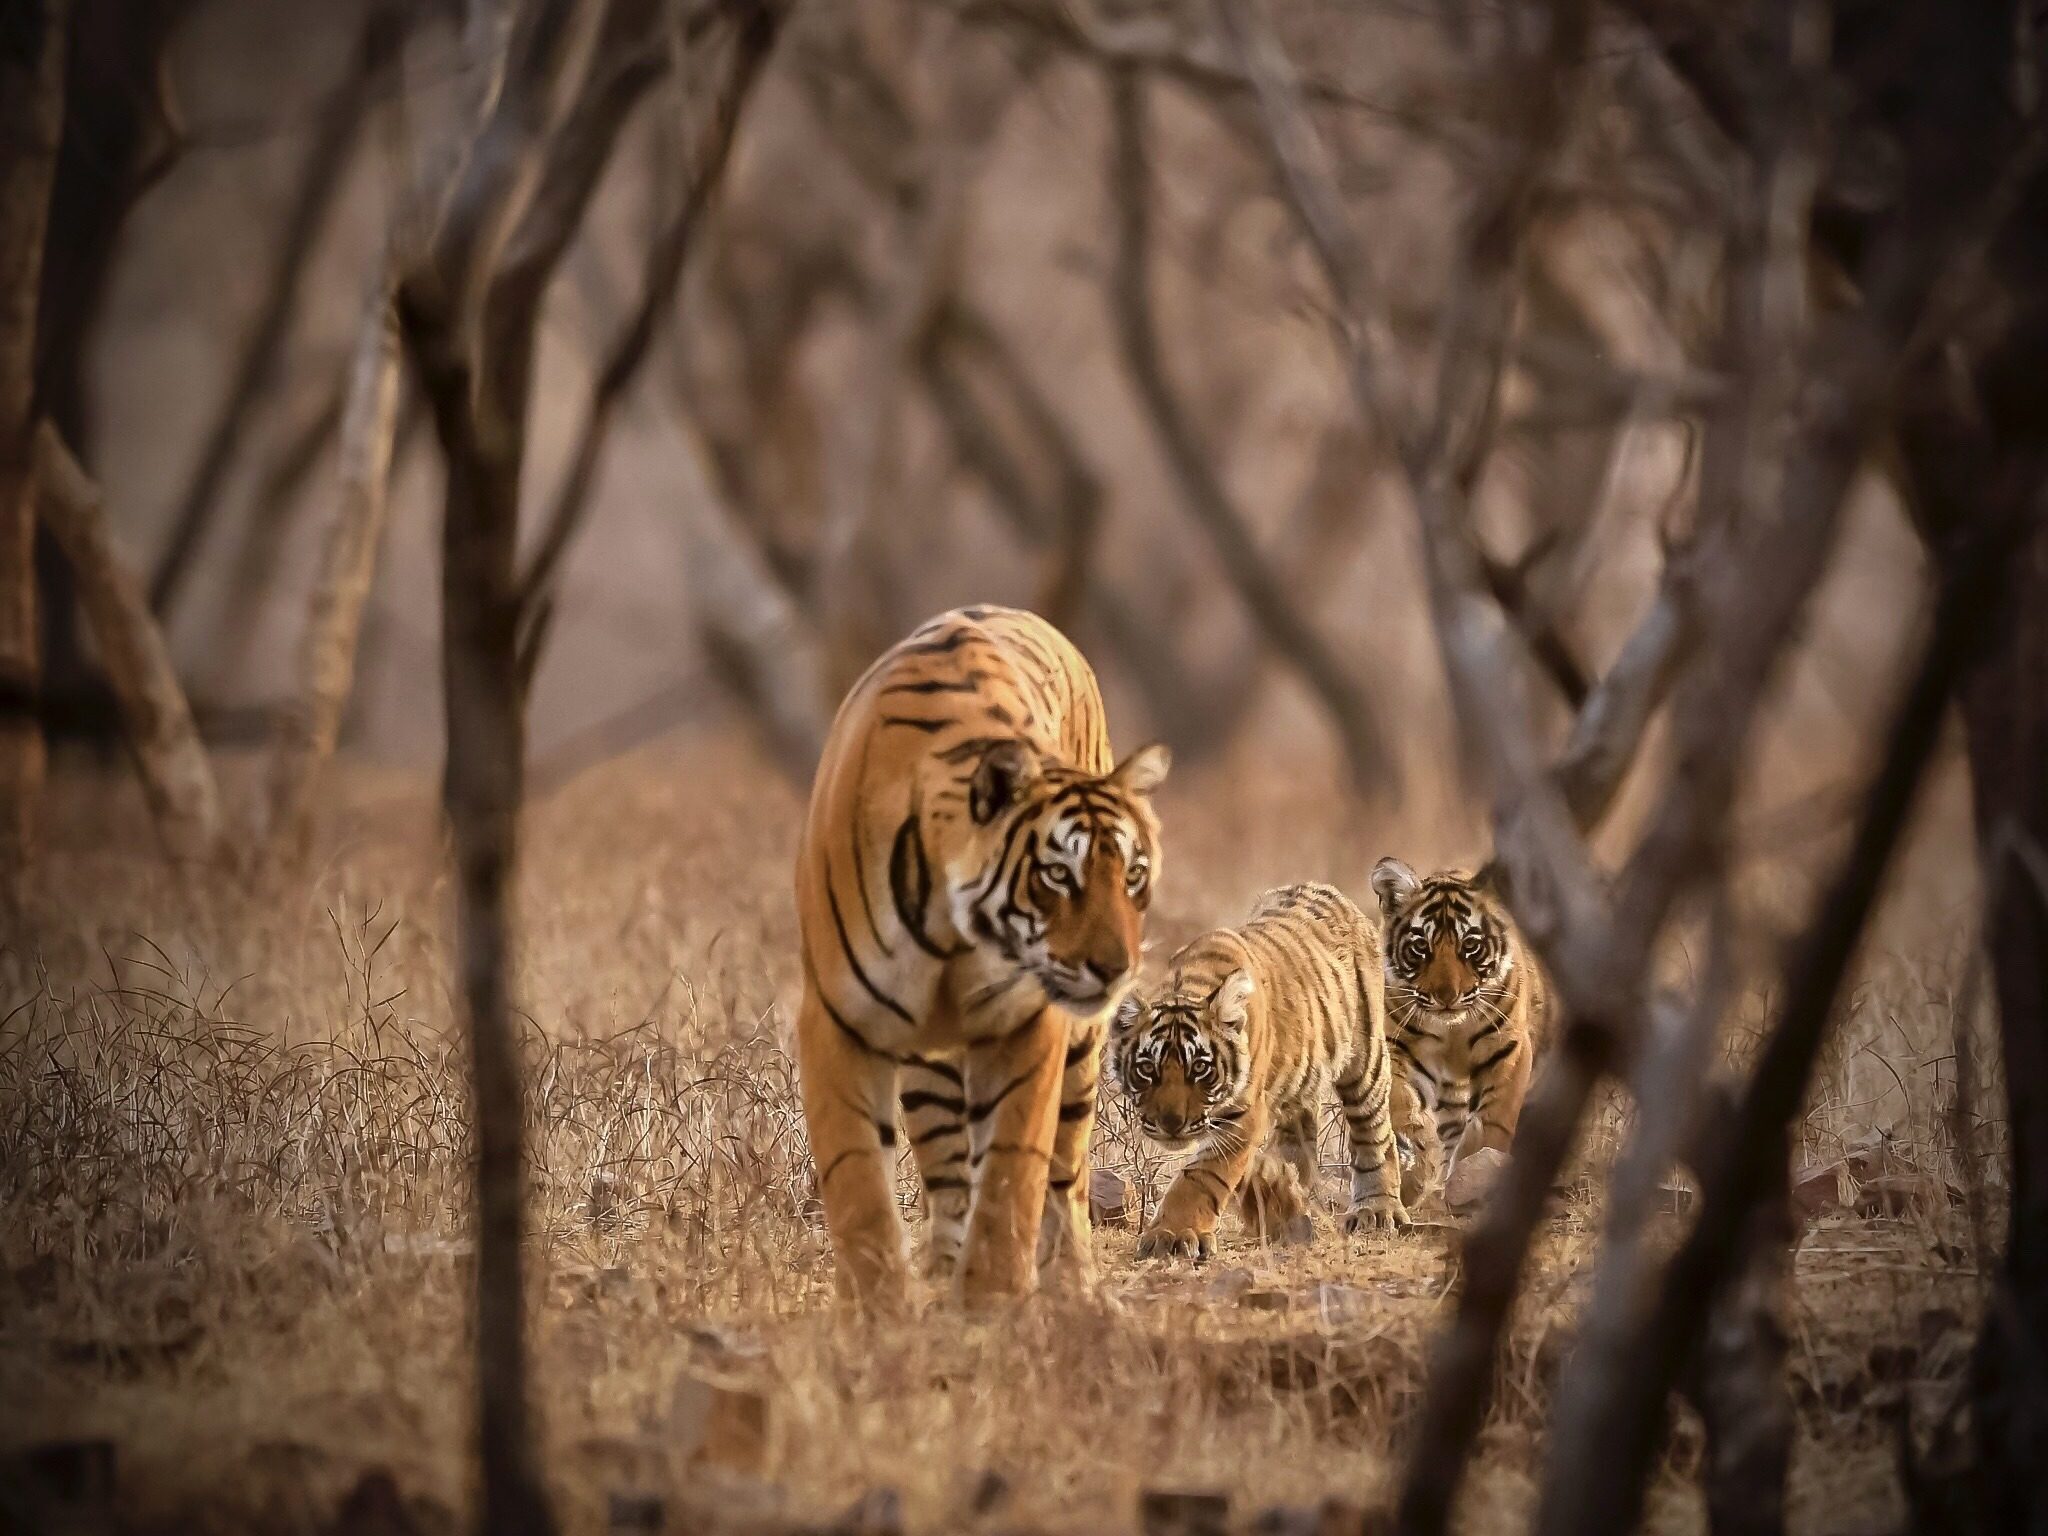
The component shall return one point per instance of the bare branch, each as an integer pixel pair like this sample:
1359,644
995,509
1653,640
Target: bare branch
1202,492
318,179
1613,1419
753,627
662,270
177,779
1183,708
309,728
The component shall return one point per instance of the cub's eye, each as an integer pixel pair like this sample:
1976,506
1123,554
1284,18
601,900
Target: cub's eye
1474,946
1056,877
1136,877
1414,950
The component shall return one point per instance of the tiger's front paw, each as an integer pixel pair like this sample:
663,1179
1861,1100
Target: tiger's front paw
1177,1243
1382,1214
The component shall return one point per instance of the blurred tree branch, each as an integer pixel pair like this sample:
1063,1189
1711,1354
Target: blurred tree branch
177,778
1202,493
318,181
754,28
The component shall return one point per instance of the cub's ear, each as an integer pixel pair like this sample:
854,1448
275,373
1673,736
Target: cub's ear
1231,1007
1145,769
1128,1013
1393,882
1006,770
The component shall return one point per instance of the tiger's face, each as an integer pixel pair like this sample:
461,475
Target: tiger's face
1447,943
1182,1059
1061,870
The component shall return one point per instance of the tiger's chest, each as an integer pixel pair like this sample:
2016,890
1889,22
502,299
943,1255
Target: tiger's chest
1444,1046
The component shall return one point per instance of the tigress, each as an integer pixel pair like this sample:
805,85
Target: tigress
1469,1007
971,886
1230,1055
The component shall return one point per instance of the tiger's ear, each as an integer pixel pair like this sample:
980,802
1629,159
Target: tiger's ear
1393,882
1144,770
1006,770
1127,1014
1231,1007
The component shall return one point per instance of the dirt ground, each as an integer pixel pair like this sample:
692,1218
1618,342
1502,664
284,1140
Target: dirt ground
236,1246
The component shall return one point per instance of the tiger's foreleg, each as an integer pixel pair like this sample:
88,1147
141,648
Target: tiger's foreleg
1013,1099
1499,1085
1416,1147
1278,1195
1066,1234
849,1094
1367,1094
935,1118
1185,1226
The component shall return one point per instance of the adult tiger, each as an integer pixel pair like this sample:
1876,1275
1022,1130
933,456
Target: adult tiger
970,888
1469,1007
1230,1058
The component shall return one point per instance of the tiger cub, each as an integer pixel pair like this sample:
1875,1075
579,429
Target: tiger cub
1469,1006
1230,1055
971,889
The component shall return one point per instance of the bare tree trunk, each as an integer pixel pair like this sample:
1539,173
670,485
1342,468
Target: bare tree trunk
177,778
311,724
469,307
31,125
481,792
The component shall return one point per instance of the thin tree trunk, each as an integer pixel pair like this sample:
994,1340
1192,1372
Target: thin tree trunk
481,792
311,725
468,307
31,125
177,779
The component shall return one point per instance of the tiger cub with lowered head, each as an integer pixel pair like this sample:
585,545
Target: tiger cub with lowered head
1469,1007
971,890
1229,1058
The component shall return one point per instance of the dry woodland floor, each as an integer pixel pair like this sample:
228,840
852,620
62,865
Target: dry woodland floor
235,1249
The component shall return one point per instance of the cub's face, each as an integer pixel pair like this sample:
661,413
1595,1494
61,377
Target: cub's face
1063,870
1182,1059
1447,945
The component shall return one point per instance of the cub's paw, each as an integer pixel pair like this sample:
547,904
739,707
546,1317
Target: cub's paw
1177,1243
1385,1214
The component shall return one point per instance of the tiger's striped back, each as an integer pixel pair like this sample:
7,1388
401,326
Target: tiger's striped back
1232,1055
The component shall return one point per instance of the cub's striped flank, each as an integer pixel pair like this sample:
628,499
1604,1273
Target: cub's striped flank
1231,1055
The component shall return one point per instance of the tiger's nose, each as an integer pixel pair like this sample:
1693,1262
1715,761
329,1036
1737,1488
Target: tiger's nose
1111,970
1170,1124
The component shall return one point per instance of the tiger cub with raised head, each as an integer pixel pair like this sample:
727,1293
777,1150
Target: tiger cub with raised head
971,890
1469,1007
1230,1056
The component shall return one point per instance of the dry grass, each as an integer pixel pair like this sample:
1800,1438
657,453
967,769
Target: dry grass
233,1157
